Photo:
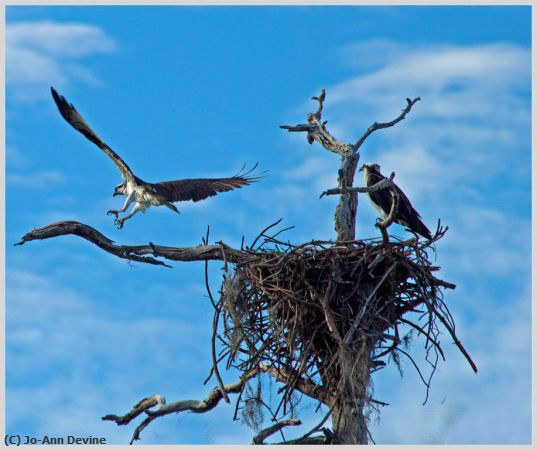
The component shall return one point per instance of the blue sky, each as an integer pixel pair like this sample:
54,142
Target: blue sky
199,91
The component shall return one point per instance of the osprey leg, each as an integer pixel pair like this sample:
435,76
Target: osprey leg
119,222
128,201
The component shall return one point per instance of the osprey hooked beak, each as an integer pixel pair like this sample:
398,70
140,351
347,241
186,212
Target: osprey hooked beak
118,190
371,168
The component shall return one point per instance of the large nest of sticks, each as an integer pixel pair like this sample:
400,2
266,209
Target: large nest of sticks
313,312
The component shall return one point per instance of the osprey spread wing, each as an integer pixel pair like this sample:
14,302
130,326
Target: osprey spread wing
143,193
405,215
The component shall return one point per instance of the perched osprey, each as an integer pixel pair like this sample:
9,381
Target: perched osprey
146,194
405,215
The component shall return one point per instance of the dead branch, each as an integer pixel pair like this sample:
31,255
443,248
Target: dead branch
382,184
163,409
345,216
92,235
307,387
384,224
219,251
458,343
317,130
264,434
377,126
140,407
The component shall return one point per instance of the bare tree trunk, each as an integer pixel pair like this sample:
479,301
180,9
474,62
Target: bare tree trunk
349,422
345,217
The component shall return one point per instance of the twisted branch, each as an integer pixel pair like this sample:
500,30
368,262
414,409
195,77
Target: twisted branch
163,409
92,235
219,251
384,224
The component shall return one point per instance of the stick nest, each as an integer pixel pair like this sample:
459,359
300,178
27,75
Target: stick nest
324,315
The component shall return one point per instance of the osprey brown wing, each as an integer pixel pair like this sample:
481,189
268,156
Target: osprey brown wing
405,215
197,189
72,116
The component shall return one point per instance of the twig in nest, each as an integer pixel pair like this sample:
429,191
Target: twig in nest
457,342
356,322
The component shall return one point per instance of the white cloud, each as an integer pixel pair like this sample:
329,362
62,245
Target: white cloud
38,180
478,84
41,54
62,40
15,158
485,241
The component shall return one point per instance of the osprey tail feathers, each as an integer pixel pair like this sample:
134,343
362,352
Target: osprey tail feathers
172,207
417,226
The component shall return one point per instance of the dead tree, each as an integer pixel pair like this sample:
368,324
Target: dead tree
318,317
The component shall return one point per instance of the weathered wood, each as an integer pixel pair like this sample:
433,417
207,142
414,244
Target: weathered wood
345,215
383,184
219,251
163,408
260,437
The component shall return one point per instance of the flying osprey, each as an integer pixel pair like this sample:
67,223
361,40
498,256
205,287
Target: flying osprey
146,194
405,215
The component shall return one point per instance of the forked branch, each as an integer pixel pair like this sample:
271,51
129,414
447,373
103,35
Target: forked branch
163,409
378,126
345,217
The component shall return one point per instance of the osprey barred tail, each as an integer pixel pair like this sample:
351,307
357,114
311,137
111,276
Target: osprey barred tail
405,215
145,194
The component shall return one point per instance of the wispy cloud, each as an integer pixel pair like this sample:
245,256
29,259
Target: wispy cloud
40,54
38,180
50,325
